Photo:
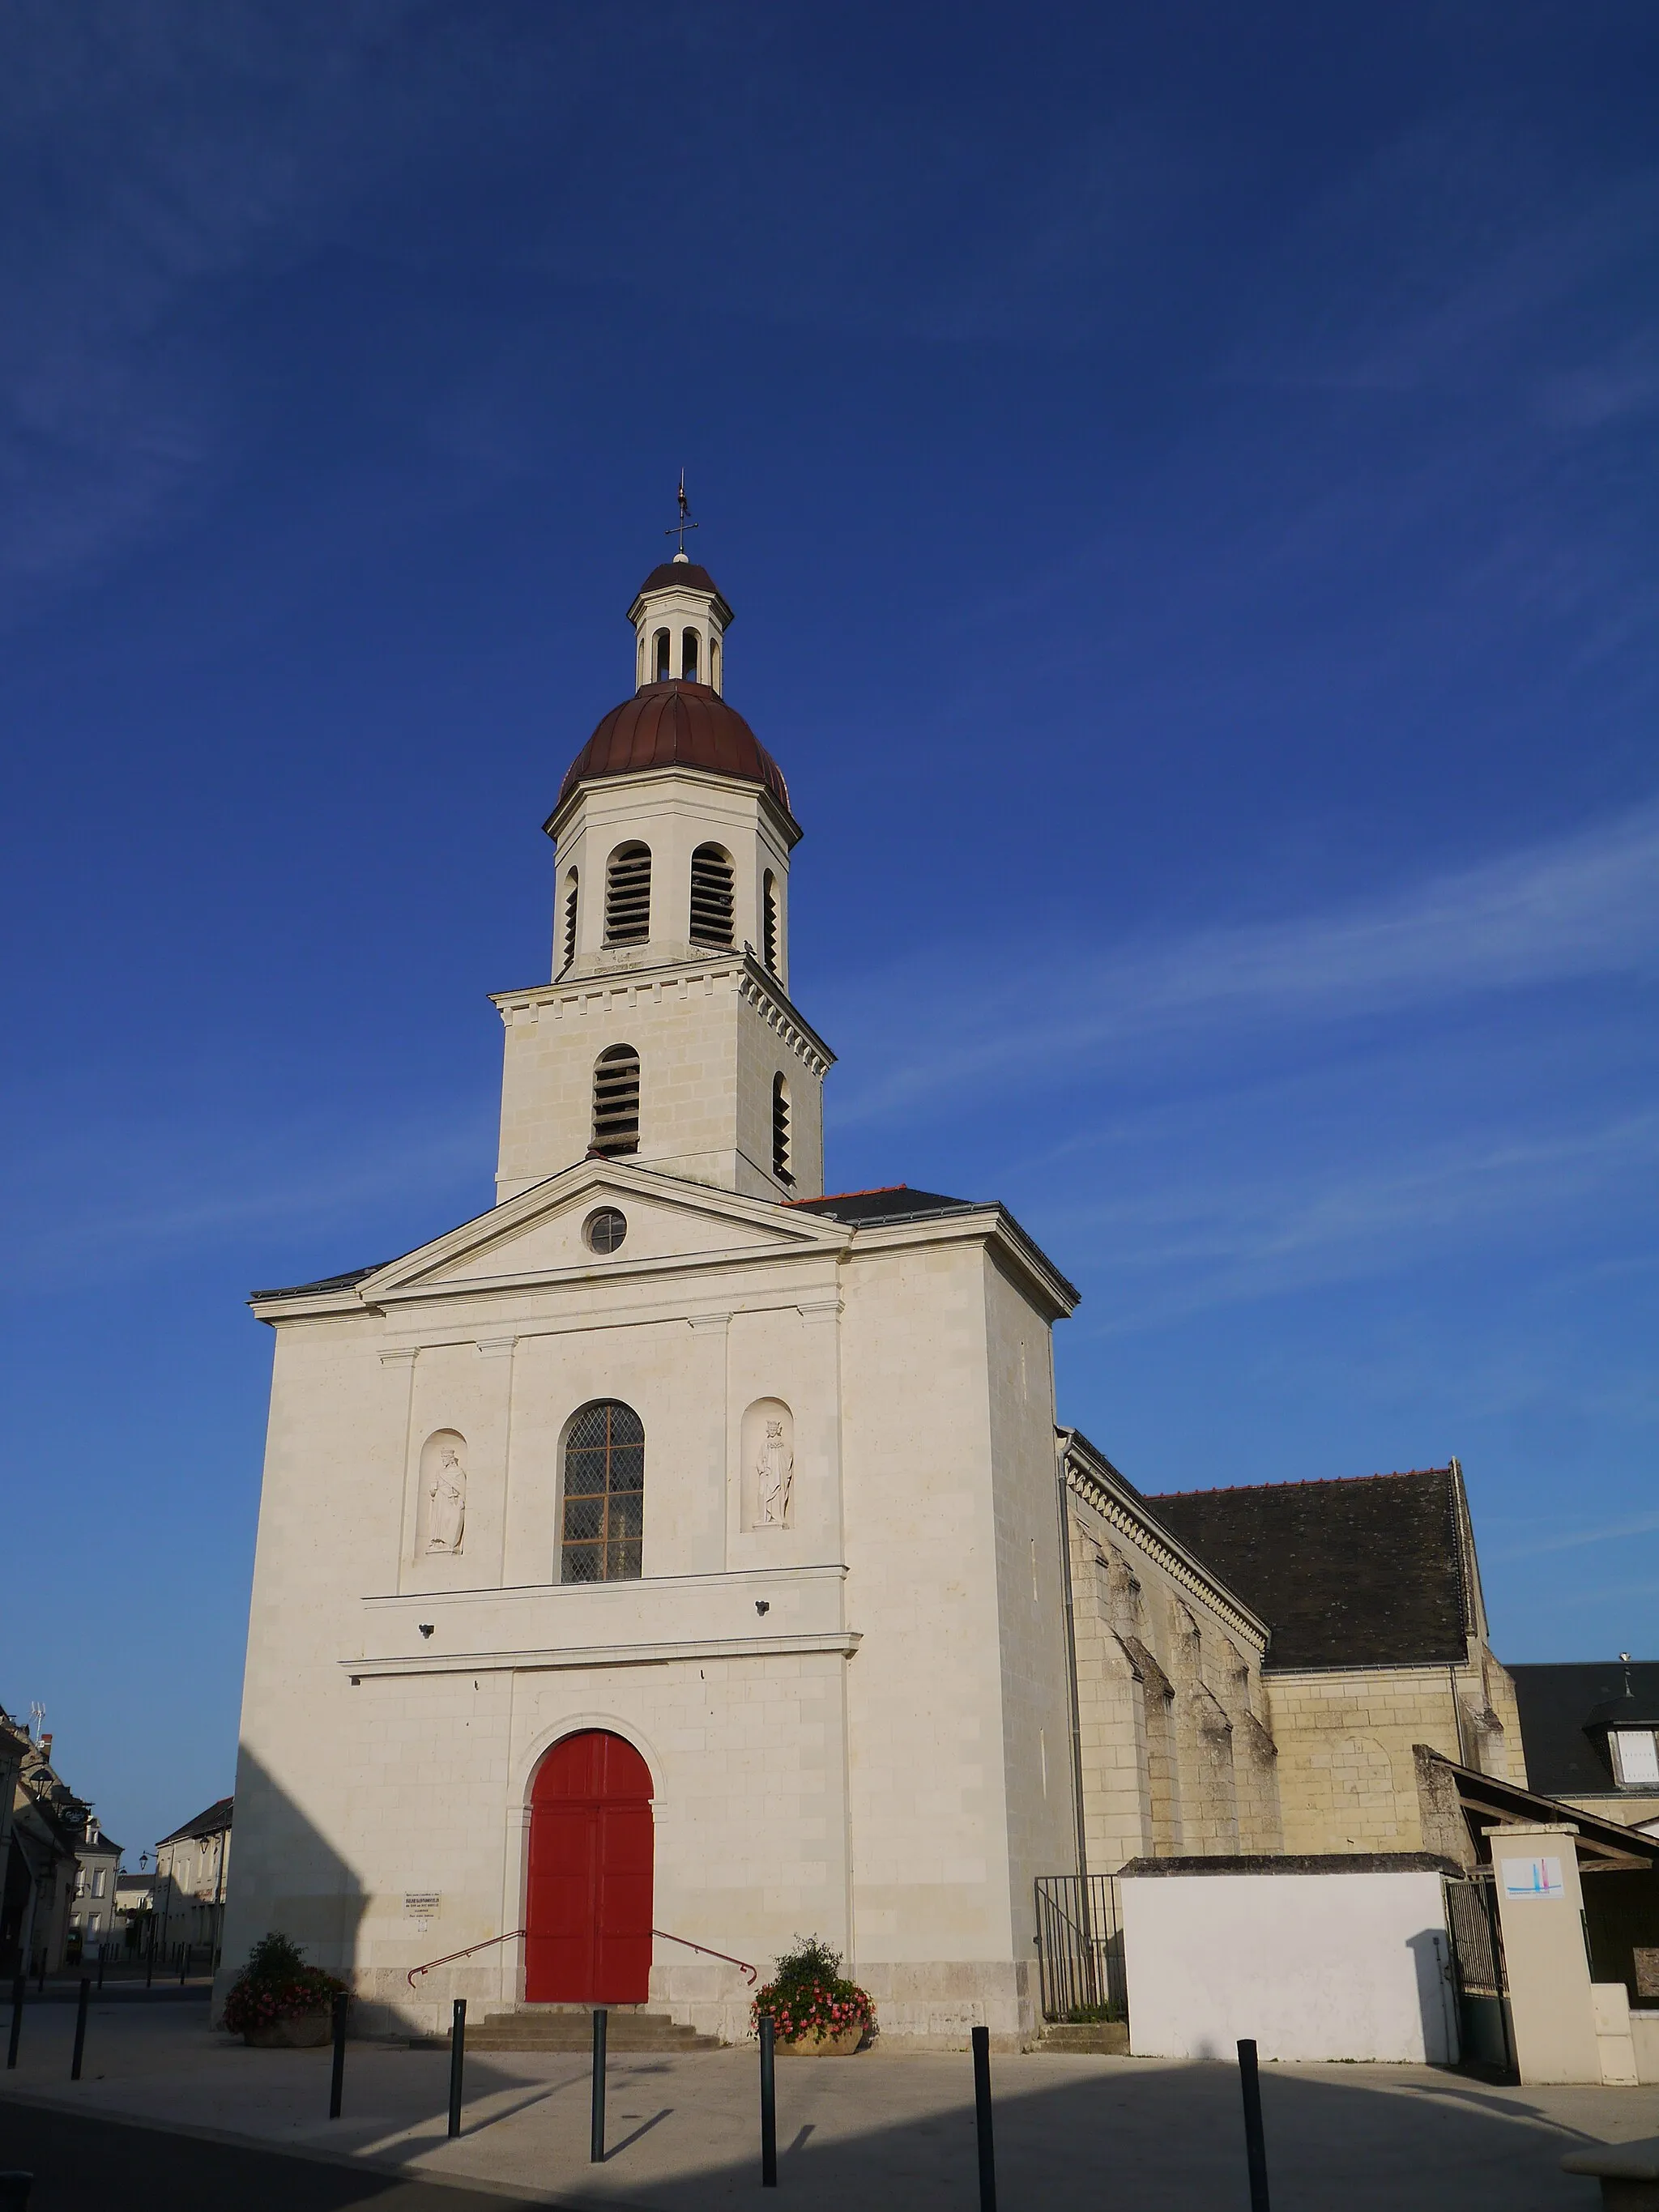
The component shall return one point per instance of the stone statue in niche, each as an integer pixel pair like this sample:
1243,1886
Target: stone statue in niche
774,1473
767,1465
445,1502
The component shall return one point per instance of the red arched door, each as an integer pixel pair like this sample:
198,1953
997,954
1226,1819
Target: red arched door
588,1917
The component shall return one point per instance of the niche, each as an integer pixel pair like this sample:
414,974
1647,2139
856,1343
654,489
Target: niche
768,1439
441,1523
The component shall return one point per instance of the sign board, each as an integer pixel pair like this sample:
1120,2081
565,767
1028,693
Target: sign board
1533,1878
421,1907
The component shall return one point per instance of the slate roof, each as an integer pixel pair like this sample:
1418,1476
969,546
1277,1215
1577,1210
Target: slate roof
893,1202
1556,1703
325,1283
1366,1572
217,1816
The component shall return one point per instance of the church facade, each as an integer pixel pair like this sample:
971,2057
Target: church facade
677,1558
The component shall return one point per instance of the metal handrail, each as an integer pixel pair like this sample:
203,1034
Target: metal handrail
753,1972
449,1957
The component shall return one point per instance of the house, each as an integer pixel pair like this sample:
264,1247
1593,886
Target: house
1591,1732
92,1912
192,1869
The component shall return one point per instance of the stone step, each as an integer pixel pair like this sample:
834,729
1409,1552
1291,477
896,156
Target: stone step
540,2027
1103,2038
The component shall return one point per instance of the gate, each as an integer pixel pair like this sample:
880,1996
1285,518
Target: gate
1478,1970
1080,1948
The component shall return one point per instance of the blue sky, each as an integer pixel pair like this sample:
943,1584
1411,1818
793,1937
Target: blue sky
1186,477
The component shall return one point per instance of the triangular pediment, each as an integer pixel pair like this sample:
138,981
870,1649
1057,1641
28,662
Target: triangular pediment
542,1235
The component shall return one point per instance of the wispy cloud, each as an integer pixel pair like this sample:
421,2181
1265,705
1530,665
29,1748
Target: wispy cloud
1572,1539
1585,905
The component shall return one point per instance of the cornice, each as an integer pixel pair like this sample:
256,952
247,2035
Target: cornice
1092,1482
842,1642
990,1225
617,990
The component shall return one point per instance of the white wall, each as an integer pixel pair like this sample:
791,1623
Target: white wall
1313,1965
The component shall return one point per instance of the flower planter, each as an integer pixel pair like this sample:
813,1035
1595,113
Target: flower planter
304,2032
827,2046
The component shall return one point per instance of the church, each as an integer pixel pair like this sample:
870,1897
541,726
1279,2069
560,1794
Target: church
678,1558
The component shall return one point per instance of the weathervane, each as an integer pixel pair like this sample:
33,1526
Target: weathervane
679,529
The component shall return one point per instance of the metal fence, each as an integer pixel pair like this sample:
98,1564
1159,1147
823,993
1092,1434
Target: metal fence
1080,1948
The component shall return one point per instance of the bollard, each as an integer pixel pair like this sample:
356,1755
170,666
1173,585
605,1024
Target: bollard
988,2161
41,1985
101,1970
79,2028
768,2102
457,2061
337,2080
150,1960
184,1965
17,1989
14,2186
1255,2143
596,2121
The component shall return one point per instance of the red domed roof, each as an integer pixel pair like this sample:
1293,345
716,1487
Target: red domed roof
675,725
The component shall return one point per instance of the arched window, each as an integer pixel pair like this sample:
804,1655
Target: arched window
659,654
627,895
569,948
714,662
689,655
780,1131
770,921
603,1517
712,900
616,1102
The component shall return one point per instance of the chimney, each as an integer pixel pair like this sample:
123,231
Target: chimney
45,1746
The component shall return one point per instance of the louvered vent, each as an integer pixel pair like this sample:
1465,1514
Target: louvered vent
569,918
627,895
781,1167
770,922
616,1102
712,901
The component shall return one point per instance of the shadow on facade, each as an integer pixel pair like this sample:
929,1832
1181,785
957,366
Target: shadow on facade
285,1875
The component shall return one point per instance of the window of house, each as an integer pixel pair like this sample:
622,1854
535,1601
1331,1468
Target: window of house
713,902
627,895
1636,1756
99,1881
770,921
659,655
689,655
603,1520
569,920
781,1133
616,1102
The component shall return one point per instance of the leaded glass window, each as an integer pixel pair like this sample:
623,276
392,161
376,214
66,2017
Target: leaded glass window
604,1495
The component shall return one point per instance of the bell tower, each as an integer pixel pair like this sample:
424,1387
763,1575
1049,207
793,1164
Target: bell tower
666,1035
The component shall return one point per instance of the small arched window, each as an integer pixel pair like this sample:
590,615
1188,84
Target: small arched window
616,1102
603,1517
659,655
781,1138
714,662
770,921
712,903
627,895
569,950
689,655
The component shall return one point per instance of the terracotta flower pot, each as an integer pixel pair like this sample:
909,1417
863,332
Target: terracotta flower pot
827,2046
304,2032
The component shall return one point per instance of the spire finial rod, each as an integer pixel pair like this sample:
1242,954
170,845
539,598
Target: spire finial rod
679,529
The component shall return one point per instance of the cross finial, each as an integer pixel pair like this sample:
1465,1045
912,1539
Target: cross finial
679,529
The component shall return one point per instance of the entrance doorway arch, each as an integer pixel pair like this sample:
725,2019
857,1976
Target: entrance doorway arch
587,1917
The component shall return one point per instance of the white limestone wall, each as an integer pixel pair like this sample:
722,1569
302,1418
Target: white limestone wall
1312,1965
710,1039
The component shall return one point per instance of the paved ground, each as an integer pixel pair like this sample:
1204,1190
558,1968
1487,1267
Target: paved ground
878,2131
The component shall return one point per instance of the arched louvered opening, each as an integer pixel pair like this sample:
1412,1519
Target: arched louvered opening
770,921
616,1102
603,1523
781,1134
627,895
659,655
568,948
689,647
712,901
